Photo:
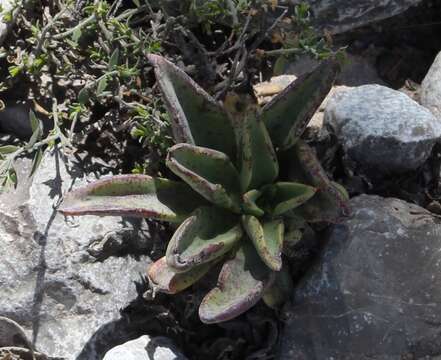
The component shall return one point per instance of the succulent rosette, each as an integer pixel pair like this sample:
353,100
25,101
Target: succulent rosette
248,185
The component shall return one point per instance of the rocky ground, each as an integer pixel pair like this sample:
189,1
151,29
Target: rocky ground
368,288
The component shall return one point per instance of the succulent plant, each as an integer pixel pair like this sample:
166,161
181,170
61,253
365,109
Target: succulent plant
248,184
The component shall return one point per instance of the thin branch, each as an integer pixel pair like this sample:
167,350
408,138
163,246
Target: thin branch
262,37
80,25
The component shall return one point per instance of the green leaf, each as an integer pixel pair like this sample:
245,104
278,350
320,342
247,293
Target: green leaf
83,96
329,204
36,161
280,290
284,196
280,65
195,116
208,172
241,284
113,61
259,164
12,177
133,195
249,205
35,123
165,279
267,239
102,85
206,235
8,149
76,35
287,115
37,130
341,189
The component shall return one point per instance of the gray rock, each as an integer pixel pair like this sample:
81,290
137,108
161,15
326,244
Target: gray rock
145,348
382,130
430,95
375,290
338,16
51,285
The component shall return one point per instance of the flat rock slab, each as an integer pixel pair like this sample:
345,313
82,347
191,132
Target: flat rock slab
51,285
375,292
382,130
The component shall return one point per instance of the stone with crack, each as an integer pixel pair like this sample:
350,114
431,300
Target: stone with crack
374,291
61,295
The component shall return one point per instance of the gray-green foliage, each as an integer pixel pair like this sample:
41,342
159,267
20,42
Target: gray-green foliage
232,205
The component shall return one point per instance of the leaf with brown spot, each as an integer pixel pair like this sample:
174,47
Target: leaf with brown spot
258,160
133,195
240,286
267,239
249,205
208,172
330,203
206,235
165,279
196,117
287,115
284,196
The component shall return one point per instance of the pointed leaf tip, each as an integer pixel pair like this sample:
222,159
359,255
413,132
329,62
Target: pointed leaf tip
208,172
133,195
330,203
287,115
195,116
259,165
284,196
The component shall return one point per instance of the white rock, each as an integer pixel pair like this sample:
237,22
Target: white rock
67,302
145,348
431,88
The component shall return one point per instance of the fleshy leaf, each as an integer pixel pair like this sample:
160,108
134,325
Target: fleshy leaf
280,290
329,204
249,205
284,196
259,165
208,172
287,115
165,279
133,195
206,235
267,239
240,286
196,117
